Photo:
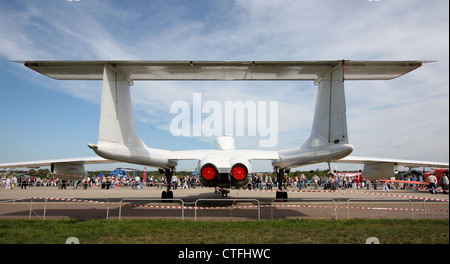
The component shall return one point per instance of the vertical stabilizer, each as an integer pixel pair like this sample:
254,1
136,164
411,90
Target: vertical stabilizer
329,138
116,112
117,137
330,122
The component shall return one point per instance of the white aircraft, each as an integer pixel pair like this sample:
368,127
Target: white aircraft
224,166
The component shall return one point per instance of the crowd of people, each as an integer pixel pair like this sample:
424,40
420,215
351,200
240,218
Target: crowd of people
103,182
331,182
335,182
259,181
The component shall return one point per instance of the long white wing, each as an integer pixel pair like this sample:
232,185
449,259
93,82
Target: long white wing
65,169
46,163
398,162
381,168
224,70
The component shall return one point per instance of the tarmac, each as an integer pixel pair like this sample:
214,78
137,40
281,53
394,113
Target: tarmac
205,204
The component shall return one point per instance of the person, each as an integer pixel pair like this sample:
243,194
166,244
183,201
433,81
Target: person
315,179
63,184
375,184
137,181
108,182
385,186
23,182
332,184
336,182
8,183
103,182
444,183
186,182
432,180
268,182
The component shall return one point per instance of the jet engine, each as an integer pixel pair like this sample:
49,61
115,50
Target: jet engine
239,175
68,170
217,172
379,171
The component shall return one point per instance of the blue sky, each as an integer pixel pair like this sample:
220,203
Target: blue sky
406,118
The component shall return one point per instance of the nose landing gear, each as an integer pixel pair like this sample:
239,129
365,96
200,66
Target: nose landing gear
222,191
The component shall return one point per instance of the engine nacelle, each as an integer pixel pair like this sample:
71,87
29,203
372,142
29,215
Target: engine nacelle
239,175
380,171
68,171
240,171
208,175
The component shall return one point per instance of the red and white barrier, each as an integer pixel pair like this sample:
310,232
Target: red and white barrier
351,191
244,206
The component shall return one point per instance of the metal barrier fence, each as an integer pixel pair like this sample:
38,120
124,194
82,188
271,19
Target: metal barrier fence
301,204
231,208
330,210
32,201
377,208
182,207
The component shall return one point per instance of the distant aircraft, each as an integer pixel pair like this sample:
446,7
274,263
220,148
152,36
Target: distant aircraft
225,166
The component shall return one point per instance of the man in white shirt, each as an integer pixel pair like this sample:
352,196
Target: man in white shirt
137,182
432,180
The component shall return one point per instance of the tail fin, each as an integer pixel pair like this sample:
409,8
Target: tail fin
117,137
328,139
330,121
116,112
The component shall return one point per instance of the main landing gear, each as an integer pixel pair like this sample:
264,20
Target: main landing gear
281,195
168,194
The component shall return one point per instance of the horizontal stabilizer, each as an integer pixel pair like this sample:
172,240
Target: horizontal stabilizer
224,70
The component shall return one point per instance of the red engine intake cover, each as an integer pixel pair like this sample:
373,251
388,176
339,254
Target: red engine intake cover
239,172
209,172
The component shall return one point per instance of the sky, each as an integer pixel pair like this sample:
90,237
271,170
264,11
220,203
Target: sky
405,118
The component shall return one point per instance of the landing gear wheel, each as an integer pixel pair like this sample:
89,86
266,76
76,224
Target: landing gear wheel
225,192
168,194
281,196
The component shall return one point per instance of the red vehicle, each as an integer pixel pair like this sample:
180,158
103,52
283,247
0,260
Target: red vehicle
438,173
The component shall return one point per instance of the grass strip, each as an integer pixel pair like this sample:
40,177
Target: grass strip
348,231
